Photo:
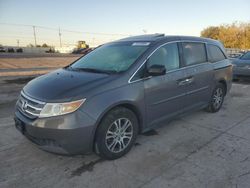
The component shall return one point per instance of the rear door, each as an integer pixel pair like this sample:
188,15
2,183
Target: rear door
164,95
199,72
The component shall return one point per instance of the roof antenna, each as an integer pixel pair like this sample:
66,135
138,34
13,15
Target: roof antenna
159,34
144,31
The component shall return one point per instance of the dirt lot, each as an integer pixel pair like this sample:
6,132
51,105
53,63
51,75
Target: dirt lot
17,61
196,150
27,64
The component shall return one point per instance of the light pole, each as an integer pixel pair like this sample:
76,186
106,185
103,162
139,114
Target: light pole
93,41
60,34
34,31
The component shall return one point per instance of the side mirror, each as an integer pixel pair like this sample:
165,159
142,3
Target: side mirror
156,70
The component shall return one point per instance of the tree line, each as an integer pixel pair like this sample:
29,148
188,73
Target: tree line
235,35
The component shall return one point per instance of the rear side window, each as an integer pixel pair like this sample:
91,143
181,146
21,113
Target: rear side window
215,53
194,53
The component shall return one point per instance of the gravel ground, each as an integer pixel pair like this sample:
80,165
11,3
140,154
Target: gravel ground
196,150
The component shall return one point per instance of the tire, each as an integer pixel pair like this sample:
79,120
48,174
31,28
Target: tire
112,140
217,98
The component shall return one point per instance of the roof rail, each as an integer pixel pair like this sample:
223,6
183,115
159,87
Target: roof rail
159,35
144,37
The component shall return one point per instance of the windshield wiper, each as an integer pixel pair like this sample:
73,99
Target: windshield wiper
93,70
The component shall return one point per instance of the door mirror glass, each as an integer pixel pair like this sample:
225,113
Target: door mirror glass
156,70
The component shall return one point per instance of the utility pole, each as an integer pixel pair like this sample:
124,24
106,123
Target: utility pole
17,42
60,34
34,31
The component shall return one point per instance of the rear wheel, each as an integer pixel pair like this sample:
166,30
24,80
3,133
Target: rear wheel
217,98
116,133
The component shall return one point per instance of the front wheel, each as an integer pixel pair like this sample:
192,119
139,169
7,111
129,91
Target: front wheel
116,133
217,98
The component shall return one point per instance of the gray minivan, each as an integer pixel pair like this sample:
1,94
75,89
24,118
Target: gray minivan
104,99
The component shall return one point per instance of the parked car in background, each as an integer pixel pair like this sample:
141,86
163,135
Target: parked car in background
2,49
51,50
11,50
19,50
120,89
241,66
235,55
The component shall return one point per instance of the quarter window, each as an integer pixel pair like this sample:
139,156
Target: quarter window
215,53
167,55
194,53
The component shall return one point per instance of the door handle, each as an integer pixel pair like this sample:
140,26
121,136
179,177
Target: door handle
186,81
190,80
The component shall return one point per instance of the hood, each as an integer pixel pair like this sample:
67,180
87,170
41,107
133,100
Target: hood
64,85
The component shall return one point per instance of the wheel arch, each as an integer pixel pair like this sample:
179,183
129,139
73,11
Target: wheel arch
125,104
224,83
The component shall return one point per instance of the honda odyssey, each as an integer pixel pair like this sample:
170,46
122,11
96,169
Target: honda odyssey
103,100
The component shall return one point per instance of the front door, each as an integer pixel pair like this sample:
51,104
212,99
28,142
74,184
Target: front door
165,95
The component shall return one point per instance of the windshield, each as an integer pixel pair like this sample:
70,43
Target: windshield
110,58
246,56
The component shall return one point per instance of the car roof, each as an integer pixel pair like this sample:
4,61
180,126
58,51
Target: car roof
149,38
160,37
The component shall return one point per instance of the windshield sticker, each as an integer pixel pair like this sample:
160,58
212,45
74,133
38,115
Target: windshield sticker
140,43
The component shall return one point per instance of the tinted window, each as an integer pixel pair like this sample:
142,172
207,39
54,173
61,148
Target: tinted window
215,53
246,56
167,55
194,53
114,57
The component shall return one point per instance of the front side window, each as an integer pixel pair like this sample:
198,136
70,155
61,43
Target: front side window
194,53
167,55
110,58
215,53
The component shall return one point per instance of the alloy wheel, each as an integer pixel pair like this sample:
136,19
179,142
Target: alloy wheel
119,135
218,98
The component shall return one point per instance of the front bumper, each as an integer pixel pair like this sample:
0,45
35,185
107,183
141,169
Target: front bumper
67,134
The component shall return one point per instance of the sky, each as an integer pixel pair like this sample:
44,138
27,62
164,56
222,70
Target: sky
127,17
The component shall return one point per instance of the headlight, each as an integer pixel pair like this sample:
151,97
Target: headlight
56,109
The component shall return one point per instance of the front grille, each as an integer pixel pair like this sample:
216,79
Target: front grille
29,107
